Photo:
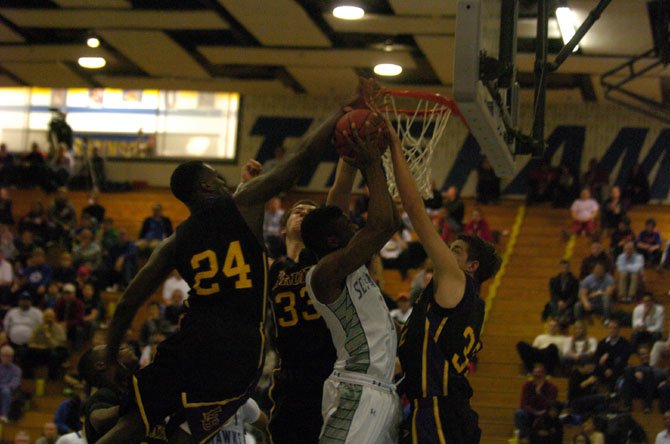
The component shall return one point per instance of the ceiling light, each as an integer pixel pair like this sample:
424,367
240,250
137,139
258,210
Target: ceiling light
348,12
92,62
566,23
388,69
93,42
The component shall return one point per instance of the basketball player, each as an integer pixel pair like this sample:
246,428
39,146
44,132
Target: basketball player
442,334
213,363
301,336
360,403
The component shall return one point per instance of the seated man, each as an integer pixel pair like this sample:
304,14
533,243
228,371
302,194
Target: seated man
20,323
47,346
10,378
547,348
155,228
649,243
598,254
641,380
564,288
70,311
584,214
536,396
629,266
620,236
648,320
612,355
595,294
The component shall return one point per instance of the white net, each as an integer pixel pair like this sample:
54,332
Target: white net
418,131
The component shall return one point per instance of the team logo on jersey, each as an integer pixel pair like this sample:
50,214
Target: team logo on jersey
210,419
290,279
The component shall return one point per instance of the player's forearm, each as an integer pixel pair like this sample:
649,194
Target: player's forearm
339,194
381,212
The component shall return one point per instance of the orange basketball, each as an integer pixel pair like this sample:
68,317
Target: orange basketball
367,123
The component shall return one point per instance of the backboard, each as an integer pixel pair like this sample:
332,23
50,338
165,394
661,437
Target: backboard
488,104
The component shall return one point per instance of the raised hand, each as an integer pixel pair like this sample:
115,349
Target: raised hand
366,148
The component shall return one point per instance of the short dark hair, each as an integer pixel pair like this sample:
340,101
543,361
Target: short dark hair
483,252
184,180
284,218
317,226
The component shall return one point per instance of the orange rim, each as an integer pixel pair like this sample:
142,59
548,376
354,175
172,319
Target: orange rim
446,102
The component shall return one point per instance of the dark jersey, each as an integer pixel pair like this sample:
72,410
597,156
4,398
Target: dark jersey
224,264
437,344
302,338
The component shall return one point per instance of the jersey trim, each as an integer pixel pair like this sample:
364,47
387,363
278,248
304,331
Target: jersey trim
439,329
415,435
339,423
424,360
356,340
140,405
438,423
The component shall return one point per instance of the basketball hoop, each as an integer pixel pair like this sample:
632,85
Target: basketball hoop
420,119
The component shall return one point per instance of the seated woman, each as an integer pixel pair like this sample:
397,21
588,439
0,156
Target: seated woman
479,226
579,348
584,212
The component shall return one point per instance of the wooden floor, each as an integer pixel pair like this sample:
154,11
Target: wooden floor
514,315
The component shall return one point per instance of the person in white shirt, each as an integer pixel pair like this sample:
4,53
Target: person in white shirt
648,320
234,430
584,212
172,283
404,310
20,323
629,266
547,348
6,279
580,347
72,438
663,437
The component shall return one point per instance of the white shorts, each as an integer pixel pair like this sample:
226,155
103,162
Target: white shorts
359,410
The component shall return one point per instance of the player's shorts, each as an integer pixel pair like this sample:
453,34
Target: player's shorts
296,409
197,371
438,420
358,409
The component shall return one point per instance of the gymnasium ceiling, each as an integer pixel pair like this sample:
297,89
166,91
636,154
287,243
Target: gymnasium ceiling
279,47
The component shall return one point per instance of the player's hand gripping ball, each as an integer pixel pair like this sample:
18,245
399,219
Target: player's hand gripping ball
368,124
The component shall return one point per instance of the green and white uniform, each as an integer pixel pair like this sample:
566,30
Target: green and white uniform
360,403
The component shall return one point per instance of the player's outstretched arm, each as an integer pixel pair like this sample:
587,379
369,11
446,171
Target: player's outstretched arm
340,193
383,221
145,283
449,278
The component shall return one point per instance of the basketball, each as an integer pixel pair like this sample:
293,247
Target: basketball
367,122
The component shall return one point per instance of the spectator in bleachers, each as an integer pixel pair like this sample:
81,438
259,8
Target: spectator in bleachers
153,324
547,349
648,320
155,228
6,216
596,179
395,254
641,381
488,184
598,255
548,428
65,271
612,355
108,235
175,309
7,170
93,309
6,280
272,226
49,434
649,243
70,311
663,437
37,275
94,209
595,436
536,396
636,187
121,261
541,183
566,188
564,289
62,165
62,214
87,251
172,283
454,213
51,296
584,214
32,167
36,220
620,236
7,242
479,226
47,346
86,222
24,247
595,294
630,266
404,310
660,351
614,209
67,417
10,379
580,348
21,437
20,323
434,203
583,394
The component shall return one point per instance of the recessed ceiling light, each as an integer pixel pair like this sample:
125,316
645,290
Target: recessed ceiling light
388,69
93,42
348,12
92,62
